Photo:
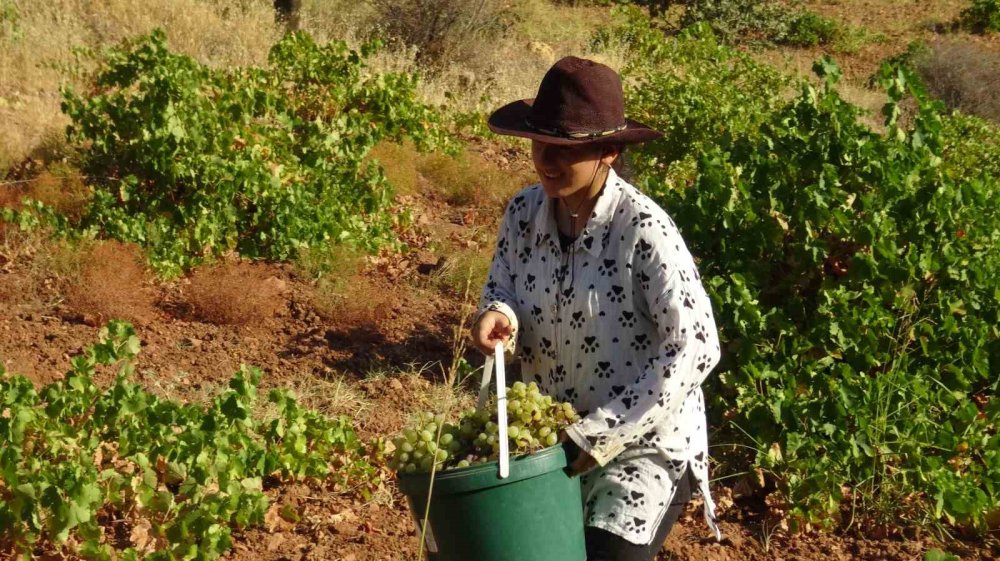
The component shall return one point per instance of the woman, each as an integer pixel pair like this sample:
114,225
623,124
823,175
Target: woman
593,282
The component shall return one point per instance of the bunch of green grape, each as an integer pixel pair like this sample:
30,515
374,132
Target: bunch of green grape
534,421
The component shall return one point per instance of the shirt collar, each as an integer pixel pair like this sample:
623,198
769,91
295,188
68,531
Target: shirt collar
594,237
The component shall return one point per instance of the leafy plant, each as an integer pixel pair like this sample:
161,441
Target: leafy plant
752,21
808,29
854,281
695,89
75,457
983,16
264,161
938,555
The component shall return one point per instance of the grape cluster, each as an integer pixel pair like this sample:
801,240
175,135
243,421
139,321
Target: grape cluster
534,421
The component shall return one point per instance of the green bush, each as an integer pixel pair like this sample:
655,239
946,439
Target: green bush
853,275
195,161
983,16
970,148
76,457
807,29
756,21
692,88
855,284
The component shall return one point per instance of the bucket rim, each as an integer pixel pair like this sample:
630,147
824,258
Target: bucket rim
484,476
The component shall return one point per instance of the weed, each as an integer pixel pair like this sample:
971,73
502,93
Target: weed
983,16
962,75
111,282
234,293
462,267
446,31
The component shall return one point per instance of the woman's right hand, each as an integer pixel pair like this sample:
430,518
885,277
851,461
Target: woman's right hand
491,328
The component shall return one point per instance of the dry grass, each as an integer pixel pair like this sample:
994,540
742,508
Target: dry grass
510,66
235,293
463,269
25,273
342,293
37,53
465,179
964,76
59,187
111,282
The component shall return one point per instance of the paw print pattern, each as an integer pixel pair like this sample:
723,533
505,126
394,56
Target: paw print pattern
629,399
590,344
518,204
547,348
631,473
686,299
607,268
642,220
527,354
529,283
616,294
525,255
557,375
604,370
643,280
627,319
641,342
577,320
644,250
700,333
502,248
635,499
613,421
635,524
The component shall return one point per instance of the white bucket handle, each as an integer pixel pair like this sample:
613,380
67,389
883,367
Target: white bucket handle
496,360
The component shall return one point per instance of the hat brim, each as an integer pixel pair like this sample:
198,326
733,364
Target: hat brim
510,120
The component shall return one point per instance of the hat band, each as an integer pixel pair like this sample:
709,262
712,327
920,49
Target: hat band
574,135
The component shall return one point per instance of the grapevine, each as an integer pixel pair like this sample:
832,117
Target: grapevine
75,456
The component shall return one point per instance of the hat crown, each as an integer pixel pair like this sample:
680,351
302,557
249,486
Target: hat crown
578,96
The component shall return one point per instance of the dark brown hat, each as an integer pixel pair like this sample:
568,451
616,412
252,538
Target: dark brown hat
579,101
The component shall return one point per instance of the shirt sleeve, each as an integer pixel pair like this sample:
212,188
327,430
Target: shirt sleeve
682,314
499,294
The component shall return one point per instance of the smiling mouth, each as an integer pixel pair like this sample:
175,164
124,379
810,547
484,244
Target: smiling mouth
551,175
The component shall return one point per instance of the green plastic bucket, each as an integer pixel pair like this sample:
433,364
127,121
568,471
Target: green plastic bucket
536,514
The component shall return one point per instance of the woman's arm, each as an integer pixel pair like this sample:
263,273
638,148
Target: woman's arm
689,349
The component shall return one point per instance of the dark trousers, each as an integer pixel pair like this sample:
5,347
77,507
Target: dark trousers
605,546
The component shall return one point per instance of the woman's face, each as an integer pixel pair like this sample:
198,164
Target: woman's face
564,170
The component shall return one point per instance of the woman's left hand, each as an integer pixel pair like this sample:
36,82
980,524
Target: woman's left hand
583,463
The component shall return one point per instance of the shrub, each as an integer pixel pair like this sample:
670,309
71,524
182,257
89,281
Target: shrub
234,293
970,148
982,16
854,282
81,462
263,161
962,75
690,87
445,30
755,21
807,29
112,283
